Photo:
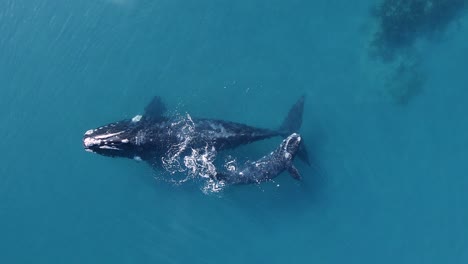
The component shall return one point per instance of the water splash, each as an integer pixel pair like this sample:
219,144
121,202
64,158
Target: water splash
185,163
200,162
212,186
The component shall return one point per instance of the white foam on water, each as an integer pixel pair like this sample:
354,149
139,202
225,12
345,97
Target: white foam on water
200,162
212,186
185,163
185,129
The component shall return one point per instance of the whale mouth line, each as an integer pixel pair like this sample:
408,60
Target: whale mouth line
109,147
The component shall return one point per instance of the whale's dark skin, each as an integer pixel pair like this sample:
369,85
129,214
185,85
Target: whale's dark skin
149,137
268,167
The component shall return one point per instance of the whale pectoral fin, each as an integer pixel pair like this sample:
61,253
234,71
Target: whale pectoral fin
294,173
155,109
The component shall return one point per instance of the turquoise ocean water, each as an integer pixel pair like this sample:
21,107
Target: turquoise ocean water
388,182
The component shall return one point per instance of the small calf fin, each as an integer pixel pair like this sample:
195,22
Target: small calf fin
294,173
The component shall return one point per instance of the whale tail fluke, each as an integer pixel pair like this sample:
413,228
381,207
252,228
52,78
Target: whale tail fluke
292,123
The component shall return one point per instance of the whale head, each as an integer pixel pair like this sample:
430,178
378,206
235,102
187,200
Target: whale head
290,145
118,139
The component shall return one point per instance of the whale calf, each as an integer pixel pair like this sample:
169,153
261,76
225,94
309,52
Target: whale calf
267,167
150,136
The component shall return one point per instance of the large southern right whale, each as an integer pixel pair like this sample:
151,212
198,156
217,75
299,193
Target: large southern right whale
149,137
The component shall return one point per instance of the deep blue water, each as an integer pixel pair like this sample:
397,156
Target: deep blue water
388,182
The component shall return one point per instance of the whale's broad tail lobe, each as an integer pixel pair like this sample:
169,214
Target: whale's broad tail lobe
292,123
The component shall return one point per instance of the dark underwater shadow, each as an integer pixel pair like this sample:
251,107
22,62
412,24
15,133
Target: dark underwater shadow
402,27
401,23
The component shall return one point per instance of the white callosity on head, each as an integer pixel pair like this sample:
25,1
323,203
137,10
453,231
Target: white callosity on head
137,158
286,141
88,142
98,140
108,135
